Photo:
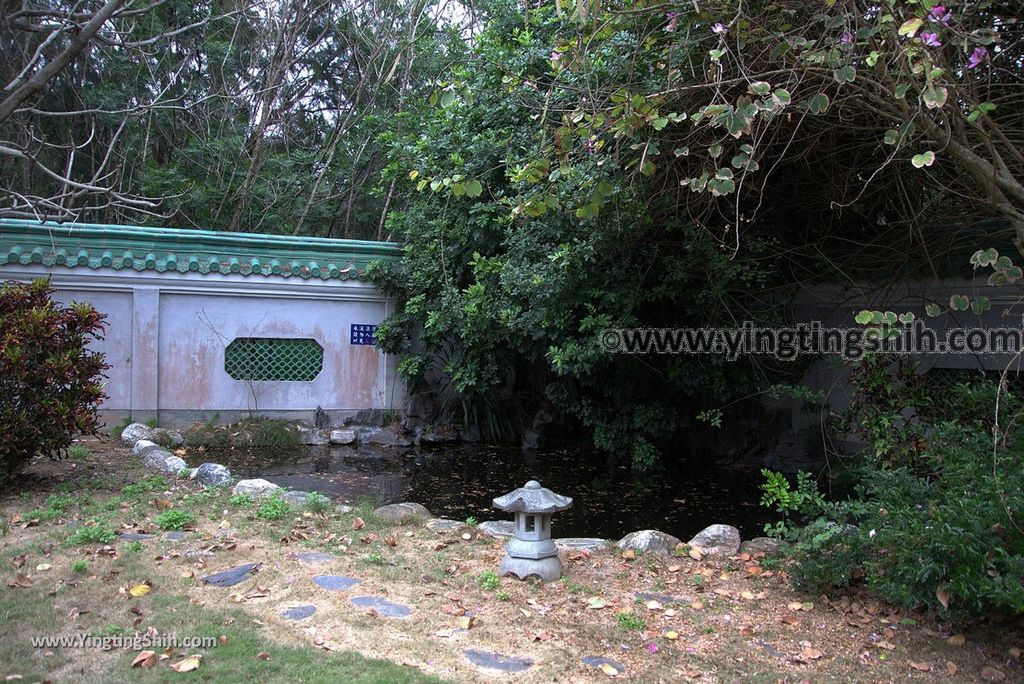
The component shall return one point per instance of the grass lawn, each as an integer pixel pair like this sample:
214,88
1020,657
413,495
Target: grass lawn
737,619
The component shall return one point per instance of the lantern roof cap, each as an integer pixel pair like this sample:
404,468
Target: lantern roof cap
532,498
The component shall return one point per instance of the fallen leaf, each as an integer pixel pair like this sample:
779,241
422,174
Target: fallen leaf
991,674
887,645
20,582
43,567
747,595
391,540
675,568
956,640
540,636
224,525
672,635
140,590
19,561
596,602
467,622
609,670
670,613
695,552
654,605
188,664
942,594
146,659
629,554
697,605
222,640
358,524
919,666
263,655
810,653
951,668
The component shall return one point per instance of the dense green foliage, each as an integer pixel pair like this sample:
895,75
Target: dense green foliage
50,382
935,518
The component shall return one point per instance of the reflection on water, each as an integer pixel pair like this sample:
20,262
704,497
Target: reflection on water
459,482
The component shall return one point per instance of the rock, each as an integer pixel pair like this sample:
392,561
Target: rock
257,488
598,661
168,438
192,472
144,446
645,596
163,461
439,437
390,436
174,536
344,508
498,528
718,540
213,475
298,612
383,607
584,543
401,513
497,661
133,536
296,499
314,557
375,417
335,582
649,541
134,432
765,545
231,576
311,436
342,437
445,525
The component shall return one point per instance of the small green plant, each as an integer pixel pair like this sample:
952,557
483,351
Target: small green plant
150,483
152,423
627,619
79,566
133,546
78,451
318,503
56,506
489,580
471,521
113,631
375,558
274,508
175,520
98,533
708,629
503,596
697,580
116,431
241,500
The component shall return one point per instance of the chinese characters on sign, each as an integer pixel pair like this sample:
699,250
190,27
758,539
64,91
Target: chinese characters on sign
363,334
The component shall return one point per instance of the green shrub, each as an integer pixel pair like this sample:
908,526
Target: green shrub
78,451
318,503
79,566
274,508
471,521
133,546
174,520
934,517
627,619
489,580
52,383
98,533
241,500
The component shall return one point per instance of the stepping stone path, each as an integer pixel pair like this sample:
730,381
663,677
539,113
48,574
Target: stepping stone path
661,598
231,576
598,661
383,607
298,612
581,543
174,536
497,661
314,557
335,582
133,536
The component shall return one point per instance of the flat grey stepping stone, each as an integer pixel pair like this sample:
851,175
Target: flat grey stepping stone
382,606
231,576
662,598
174,536
770,650
298,612
198,553
133,536
581,543
497,661
498,528
444,525
314,557
598,661
335,582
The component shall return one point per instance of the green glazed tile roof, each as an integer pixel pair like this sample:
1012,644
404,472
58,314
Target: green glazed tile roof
95,246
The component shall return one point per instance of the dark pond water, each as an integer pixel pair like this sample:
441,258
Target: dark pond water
459,482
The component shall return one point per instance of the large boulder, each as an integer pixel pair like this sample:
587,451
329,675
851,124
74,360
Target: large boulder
134,432
213,475
341,437
163,461
718,540
168,438
498,528
144,446
401,513
765,545
296,499
391,436
649,541
311,436
257,488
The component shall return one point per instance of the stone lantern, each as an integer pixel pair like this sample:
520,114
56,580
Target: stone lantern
531,551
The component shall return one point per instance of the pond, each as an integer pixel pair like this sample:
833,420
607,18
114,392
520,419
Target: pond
459,482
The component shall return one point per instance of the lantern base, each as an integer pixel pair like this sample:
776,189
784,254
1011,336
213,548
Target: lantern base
547,569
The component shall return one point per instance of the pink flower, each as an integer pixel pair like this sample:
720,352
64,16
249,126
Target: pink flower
555,55
941,15
846,38
719,28
930,39
652,647
673,21
977,57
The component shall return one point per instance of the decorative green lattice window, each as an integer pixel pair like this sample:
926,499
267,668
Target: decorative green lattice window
273,358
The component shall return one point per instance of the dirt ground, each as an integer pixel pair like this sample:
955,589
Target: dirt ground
659,618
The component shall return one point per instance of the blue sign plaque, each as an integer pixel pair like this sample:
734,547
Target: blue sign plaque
363,333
